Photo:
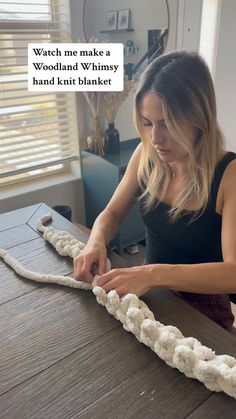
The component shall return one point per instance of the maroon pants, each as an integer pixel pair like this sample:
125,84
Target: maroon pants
216,307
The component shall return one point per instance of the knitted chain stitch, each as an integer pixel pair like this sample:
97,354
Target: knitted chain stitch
188,355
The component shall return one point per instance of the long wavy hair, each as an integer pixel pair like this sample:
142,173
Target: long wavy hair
183,82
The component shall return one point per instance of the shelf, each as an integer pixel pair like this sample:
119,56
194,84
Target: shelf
118,31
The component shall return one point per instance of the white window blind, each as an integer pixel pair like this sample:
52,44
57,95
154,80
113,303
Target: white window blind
37,130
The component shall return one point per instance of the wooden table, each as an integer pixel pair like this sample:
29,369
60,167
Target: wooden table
62,355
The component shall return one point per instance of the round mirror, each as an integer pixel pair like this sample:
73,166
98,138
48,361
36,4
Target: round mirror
144,33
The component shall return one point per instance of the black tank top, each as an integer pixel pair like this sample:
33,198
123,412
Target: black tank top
186,242
183,242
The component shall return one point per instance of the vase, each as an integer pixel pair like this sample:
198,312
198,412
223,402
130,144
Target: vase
111,140
94,139
91,141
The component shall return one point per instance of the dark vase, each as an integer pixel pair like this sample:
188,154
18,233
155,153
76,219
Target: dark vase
111,140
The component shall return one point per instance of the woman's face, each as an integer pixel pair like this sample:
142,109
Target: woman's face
153,122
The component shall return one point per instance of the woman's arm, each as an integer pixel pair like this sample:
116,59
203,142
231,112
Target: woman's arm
108,222
206,278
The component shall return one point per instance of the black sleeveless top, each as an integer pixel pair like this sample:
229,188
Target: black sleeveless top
185,242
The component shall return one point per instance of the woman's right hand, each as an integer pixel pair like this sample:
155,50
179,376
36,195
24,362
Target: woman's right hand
90,261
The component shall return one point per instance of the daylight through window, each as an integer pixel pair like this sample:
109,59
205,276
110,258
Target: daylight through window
37,130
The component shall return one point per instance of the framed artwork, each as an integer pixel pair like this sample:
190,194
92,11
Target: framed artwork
123,18
111,20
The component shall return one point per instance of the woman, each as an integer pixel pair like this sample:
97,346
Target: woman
186,184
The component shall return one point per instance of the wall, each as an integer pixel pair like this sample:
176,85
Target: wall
124,119
189,24
125,115
188,36
184,33
155,18
225,82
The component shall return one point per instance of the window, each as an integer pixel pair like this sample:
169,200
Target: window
37,130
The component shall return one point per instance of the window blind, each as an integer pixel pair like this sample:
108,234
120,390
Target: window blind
37,130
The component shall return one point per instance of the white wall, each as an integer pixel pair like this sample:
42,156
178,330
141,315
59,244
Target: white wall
189,24
124,121
225,81
188,37
173,25
155,17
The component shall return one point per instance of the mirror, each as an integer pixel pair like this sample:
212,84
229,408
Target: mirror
144,33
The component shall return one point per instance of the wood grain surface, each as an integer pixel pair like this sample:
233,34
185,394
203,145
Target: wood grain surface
63,356
16,235
15,218
40,328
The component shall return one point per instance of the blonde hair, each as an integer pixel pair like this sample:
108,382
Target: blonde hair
184,84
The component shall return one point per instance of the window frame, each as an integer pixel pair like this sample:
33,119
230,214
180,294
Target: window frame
58,34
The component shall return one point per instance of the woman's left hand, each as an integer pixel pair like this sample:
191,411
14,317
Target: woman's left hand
136,280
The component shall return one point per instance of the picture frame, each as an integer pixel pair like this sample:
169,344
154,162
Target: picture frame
123,19
111,20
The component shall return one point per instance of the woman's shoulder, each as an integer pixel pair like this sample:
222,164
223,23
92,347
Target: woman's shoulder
229,161
225,163
136,156
138,150
229,175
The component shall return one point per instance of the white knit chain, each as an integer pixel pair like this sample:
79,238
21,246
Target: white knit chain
188,355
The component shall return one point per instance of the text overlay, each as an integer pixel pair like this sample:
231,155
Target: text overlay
75,67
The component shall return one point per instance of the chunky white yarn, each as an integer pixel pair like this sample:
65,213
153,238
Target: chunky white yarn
188,355
53,279
64,243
